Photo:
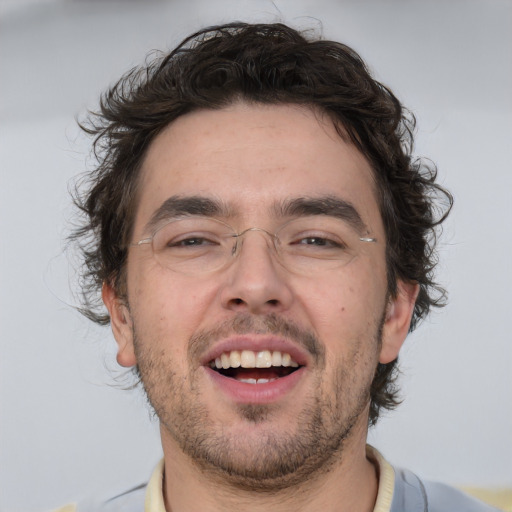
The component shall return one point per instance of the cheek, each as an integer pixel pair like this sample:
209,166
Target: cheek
349,302
167,308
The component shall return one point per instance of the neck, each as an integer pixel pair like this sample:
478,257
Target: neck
349,484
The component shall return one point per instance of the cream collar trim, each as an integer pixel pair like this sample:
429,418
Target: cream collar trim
154,501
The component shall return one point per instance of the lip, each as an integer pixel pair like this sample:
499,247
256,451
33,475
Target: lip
257,343
244,393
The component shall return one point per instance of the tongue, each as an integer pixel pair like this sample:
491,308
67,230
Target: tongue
256,373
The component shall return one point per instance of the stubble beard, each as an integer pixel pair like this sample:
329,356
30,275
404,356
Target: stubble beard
276,459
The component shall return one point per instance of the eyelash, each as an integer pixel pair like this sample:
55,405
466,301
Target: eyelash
326,241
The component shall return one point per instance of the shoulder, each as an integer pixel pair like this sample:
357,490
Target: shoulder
147,496
413,494
129,501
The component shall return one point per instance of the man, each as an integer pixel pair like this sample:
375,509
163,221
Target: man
263,241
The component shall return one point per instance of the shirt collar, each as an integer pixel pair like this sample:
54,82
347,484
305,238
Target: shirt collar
154,501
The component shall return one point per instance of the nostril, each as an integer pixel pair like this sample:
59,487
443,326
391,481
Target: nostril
273,302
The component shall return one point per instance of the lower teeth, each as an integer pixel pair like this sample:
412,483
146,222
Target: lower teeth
255,381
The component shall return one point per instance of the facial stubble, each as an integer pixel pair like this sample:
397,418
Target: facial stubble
277,459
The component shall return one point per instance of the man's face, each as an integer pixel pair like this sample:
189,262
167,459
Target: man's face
258,425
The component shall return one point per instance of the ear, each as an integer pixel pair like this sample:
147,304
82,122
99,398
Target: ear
122,325
398,319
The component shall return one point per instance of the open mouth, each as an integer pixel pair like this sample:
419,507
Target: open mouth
254,367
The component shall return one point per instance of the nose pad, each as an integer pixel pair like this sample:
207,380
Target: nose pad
271,241
255,283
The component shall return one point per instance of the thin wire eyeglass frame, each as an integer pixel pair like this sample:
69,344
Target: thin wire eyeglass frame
231,234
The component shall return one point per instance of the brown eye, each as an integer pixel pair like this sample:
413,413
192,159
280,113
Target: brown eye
319,242
195,241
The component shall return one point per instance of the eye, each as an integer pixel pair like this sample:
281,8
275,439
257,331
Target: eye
191,241
319,241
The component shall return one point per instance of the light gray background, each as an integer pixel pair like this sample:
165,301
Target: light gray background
65,430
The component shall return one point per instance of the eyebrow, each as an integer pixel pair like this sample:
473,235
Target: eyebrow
326,205
179,206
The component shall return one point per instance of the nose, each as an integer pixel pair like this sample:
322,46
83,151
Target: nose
256,282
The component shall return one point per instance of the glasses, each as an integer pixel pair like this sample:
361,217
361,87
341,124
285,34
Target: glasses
306,245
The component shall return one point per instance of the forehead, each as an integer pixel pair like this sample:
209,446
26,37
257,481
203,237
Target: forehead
251,157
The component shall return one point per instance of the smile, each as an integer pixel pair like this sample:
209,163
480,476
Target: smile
251,367
256,369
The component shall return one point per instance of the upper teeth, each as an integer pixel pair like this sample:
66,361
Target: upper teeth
250,359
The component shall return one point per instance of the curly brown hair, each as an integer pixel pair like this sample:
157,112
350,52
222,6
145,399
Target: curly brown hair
268,64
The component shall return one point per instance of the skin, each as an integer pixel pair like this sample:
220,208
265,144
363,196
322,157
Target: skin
218,452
